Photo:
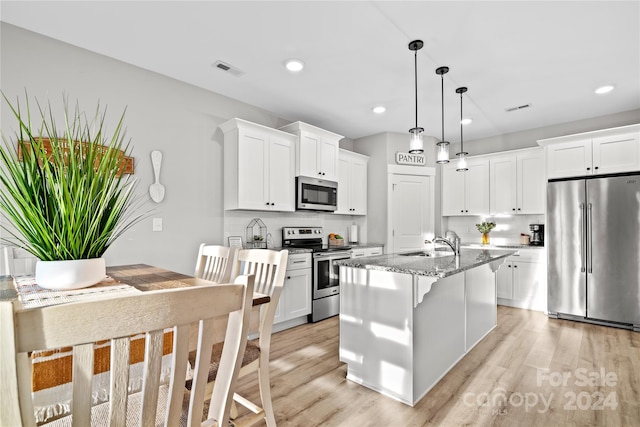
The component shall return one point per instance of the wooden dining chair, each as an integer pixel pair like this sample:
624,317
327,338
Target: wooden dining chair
268,267
215,262
81,324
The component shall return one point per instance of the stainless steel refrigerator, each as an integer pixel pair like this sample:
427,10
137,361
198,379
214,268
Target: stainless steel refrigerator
593,249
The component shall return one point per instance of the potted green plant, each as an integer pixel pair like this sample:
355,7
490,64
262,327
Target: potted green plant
485,227
63,194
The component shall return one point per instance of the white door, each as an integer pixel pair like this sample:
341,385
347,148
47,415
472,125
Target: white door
253,178
344,187
569,159
476,187
308,155
298,296
282,192
502,185
620,153
358,183
532,186
452,191
328,159
411,213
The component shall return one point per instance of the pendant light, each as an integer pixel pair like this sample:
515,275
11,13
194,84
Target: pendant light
415,141
442,156
462,159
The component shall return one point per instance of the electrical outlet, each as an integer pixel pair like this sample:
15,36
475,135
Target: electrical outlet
157,224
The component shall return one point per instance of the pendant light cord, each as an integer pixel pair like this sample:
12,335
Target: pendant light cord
461,142
415,55
442,99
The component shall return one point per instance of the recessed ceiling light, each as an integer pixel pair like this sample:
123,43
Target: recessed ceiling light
466,121
294,65
604,89
378,109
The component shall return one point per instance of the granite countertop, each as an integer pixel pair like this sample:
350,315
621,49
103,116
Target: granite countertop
442,266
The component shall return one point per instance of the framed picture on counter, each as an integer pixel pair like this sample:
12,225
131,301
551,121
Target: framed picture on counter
235,242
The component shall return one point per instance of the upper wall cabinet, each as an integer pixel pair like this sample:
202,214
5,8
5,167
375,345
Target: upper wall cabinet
593,153
258,167
517,182
466,193
316,151
352,183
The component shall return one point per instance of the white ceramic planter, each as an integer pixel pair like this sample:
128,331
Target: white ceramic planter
71,274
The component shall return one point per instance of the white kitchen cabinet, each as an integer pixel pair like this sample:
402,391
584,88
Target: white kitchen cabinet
259,167
517,182
466,193
352,183
522,280
363,252
316,151
295,299
593,153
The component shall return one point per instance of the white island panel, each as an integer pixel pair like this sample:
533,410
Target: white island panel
402,328
376,321
439,338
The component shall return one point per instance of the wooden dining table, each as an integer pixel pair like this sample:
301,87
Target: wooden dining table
51,371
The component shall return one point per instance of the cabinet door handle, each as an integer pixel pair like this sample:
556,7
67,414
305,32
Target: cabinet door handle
596,168
515,266
519,209
272,204
298,262
513,209
267,203
288,277
588,169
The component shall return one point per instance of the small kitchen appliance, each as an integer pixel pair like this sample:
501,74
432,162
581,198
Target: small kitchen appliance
325,301
314,194
537,234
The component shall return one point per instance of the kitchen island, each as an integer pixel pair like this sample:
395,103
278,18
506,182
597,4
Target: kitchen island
405,321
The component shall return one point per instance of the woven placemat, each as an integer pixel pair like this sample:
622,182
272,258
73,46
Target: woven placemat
31,295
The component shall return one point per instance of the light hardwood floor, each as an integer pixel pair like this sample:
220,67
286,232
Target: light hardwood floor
529,371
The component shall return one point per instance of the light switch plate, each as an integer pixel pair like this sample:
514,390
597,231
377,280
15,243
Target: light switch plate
157,224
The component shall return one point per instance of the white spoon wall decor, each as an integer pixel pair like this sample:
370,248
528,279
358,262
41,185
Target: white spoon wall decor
156,190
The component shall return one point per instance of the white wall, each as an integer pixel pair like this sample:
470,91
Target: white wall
162,114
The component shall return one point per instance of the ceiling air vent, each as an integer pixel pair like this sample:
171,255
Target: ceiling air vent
228,68
520,107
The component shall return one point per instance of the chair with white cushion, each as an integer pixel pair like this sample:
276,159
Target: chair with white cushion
268,267
215,262
81,324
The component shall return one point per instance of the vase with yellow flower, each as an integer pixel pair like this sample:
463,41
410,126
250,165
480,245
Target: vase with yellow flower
485,227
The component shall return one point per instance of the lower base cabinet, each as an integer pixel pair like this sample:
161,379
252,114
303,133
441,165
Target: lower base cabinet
522,280
295,300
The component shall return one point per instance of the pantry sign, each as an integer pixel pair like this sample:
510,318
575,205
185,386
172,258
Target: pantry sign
411,159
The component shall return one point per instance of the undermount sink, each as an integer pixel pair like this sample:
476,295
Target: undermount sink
429,254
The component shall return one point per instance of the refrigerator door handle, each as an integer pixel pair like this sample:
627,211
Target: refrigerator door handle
583,242
590,238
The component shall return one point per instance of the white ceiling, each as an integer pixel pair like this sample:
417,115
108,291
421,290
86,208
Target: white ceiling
551,55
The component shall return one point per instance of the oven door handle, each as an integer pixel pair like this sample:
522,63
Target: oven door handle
332,256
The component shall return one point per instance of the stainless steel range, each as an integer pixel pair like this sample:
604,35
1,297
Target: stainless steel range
326,274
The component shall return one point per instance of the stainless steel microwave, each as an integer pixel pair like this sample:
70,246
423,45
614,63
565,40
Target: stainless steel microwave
316,194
